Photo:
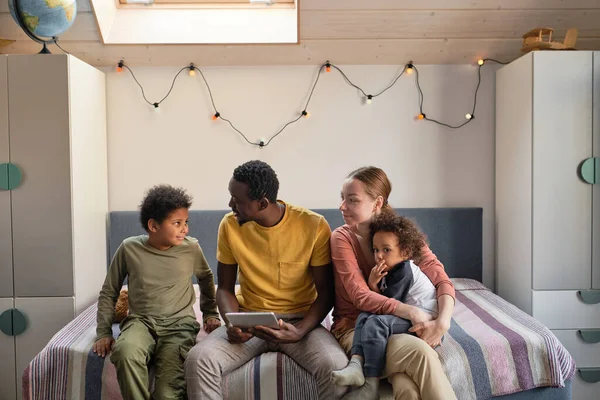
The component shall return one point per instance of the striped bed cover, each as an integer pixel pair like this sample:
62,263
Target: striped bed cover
491,349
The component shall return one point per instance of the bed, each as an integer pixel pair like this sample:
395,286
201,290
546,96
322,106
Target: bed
492,350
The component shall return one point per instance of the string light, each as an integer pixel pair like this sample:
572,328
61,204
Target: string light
408,69
192,70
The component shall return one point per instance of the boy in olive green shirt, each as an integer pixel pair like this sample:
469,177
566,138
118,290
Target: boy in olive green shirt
161,325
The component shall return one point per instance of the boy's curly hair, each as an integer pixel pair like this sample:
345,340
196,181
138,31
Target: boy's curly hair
160,201
410,237
261,180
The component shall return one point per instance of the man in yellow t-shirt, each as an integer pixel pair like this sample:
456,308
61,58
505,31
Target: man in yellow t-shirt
282,254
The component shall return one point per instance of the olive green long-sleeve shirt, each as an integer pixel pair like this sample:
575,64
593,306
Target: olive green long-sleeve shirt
159,282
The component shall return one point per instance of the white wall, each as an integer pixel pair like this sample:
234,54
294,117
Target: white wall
429,165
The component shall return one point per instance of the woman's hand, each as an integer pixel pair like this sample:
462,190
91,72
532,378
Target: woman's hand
418,316
431,331
377,272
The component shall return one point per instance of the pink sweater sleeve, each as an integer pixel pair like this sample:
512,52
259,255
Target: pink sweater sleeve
434,269
353,282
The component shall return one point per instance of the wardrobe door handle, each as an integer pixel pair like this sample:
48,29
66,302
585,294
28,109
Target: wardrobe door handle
6,325
590,170
13,322
19,322
10,176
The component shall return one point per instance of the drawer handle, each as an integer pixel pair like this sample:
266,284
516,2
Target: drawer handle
591,375
590,296
590,335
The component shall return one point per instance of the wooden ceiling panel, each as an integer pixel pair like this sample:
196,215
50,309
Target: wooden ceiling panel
309,52
443,24
353,32
447,4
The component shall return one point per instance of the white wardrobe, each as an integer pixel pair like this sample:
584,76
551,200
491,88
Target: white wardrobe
548,199
53,210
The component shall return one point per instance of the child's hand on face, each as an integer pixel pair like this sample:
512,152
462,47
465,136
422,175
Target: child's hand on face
378,272
211,324
103,346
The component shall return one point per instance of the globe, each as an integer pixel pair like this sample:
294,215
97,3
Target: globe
45,18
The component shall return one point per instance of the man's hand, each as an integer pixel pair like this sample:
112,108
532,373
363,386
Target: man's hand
287,333
431,331
103,346
211,324
377,273
236,335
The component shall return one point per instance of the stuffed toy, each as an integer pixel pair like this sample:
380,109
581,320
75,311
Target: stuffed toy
122,306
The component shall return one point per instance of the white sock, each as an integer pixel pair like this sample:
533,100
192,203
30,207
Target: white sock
352,375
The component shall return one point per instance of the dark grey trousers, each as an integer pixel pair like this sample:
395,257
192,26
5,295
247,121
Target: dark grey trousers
371,336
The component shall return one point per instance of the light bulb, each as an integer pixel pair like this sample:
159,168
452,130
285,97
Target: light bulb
120,66
305,114
192,72
468,116
216,116
369,99
421,116
481,62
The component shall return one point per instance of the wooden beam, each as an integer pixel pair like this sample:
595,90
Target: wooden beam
443,24
448,4
309,52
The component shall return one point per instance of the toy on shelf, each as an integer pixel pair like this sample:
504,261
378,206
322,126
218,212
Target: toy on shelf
541,39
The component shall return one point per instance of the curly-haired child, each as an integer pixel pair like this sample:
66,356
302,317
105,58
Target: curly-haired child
395,240
161,326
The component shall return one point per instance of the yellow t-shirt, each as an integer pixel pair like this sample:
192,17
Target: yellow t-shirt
273,263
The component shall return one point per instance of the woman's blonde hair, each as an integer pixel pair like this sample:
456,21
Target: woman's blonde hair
376,183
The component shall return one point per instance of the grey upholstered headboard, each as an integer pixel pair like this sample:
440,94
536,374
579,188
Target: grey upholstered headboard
455,234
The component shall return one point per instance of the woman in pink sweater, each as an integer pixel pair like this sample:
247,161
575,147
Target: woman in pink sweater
412,366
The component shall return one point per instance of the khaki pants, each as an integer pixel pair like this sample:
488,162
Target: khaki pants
412,367
143,340
318,353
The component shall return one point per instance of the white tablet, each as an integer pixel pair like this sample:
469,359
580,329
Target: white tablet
251,319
